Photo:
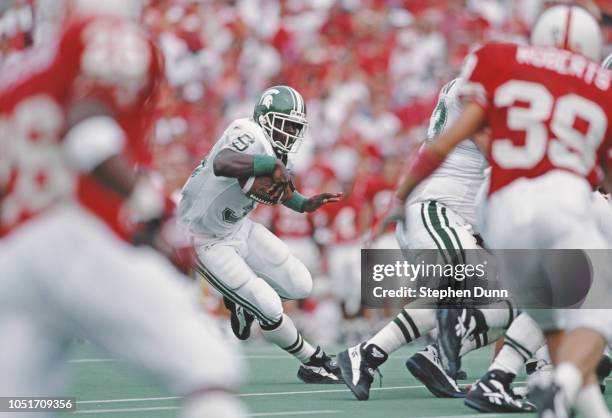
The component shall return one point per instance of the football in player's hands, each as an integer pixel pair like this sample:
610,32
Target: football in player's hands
259,189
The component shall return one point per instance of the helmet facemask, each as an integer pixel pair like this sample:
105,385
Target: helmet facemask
285,132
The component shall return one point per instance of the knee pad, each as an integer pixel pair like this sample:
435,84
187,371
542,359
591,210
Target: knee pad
266,304
300,280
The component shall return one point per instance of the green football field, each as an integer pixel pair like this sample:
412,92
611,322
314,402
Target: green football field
104,388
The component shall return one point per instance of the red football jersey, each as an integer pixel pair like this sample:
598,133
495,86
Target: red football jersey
379,193
548,109
101,59
287,223
342,219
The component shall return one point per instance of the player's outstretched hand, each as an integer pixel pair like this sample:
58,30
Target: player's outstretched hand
281,178
315,202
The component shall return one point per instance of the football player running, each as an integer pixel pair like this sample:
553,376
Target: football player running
548,106
79,106
244,261
441,216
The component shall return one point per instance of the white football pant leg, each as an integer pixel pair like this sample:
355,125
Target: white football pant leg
533,214
222,263
130,301
431,225
306,250
270,259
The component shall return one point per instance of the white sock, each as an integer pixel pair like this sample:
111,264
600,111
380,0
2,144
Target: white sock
569,378
480,340
409,325
591,404
508,360
287,337
521,342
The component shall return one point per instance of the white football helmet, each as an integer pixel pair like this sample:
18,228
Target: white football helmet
569,27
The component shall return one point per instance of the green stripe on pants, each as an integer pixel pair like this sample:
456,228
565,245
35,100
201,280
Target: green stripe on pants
229,293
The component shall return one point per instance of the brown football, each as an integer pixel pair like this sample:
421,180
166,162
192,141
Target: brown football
256,189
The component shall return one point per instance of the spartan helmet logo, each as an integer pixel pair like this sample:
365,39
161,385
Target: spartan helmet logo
267,99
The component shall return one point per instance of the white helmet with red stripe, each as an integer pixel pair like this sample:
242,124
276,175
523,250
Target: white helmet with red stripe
569,27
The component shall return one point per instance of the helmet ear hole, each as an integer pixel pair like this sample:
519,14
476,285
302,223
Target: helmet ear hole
262,120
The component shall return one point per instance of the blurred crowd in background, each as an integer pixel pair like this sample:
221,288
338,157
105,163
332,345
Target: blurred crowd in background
369,70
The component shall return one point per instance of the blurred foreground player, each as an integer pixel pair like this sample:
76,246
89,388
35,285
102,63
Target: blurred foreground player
548,107
244,261
80,106
524,344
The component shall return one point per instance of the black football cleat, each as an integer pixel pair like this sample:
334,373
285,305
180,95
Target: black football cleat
240,319
455,327
425,365
449,339
461,375
358,365
492,393
320,369
603,371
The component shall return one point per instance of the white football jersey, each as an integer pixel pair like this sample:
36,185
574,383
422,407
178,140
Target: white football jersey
214,205
456,182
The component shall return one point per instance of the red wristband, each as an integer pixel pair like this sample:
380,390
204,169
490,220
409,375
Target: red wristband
423,163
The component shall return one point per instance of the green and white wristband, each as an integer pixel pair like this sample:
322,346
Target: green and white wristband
296,202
